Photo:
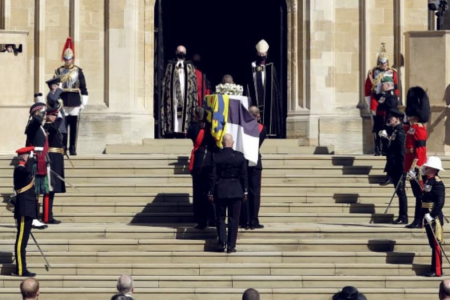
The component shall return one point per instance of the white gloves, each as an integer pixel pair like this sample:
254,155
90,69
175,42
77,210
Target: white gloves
31,154
383,134
411,175
85,99
428,218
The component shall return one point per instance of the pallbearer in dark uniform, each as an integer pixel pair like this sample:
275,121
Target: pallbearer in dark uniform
37,137
432,203
75,93
395,157
200,168
250,209
54,98
228,187
264,90
56,155
25,207
418,113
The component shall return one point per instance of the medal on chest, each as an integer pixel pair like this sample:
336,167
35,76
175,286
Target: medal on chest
427,188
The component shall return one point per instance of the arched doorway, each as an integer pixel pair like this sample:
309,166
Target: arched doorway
224,33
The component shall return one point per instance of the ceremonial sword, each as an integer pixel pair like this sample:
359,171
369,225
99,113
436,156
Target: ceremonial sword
438,241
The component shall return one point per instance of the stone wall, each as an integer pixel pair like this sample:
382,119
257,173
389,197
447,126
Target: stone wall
331,45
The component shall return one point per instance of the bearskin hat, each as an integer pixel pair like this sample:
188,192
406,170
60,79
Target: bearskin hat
418,104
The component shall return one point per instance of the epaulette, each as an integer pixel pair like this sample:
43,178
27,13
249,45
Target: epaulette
420,124
393,69
437,179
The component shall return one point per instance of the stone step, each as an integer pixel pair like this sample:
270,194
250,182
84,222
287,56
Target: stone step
268,160
183,168
245,245
175,217
187,232
366,257
227,269
185,198
184,148
235,281
186,188
68,208
320,293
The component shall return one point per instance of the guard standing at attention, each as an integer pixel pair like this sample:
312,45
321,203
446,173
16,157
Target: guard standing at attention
25,207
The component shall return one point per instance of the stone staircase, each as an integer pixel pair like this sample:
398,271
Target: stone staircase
131,213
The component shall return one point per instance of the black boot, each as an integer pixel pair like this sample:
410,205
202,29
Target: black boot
386,181
72,150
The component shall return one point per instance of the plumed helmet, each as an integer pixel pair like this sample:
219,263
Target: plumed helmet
382,56
68,50
418,104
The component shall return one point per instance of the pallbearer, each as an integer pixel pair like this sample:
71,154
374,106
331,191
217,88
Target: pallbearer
25,207
432,204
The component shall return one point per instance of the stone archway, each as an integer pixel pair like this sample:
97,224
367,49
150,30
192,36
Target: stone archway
296,52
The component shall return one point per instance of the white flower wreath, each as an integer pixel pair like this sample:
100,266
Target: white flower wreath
230,89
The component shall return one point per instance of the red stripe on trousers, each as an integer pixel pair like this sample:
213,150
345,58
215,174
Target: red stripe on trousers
46,208
437,254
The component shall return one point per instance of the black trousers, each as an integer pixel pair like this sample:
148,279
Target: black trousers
48,207
203,209
250,208
417,192
23,234
436,253
72,126
401,194
234,208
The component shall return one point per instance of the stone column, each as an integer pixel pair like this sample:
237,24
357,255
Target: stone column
13,96
427,64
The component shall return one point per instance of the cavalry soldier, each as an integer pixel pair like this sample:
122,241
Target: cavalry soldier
395,156
373,88
56,155
418,113
75,93
25,207
432,203
250,208
37,137
200,168
229,185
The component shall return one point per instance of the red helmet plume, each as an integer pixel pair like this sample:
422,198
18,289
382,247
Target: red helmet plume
68,50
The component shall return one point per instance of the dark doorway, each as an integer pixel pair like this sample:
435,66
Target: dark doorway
224,33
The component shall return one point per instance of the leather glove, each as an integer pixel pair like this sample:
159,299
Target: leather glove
411,175
383,134
429,218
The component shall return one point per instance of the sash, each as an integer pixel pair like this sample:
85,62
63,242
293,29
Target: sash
197,144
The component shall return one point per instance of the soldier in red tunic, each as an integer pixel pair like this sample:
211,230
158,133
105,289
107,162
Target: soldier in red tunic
418,113
373,89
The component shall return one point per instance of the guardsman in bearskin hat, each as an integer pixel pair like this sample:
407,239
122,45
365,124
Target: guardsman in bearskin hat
373,88
432,203
418,113
75,95
37,137
24,207
56,155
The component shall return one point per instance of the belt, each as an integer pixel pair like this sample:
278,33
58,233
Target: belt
26,188
420,143
429,205
56,150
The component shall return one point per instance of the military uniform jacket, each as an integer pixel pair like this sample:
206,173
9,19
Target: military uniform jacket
36,135
72,78
202,157
228,178
26,195
262,137
55,142
396,151
415,144
434,192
